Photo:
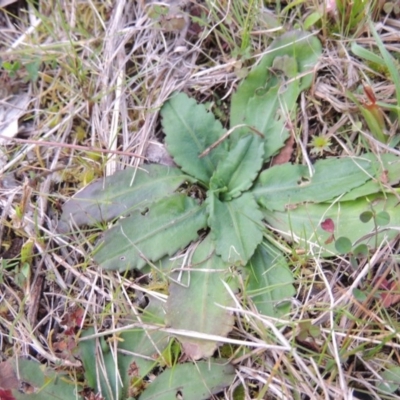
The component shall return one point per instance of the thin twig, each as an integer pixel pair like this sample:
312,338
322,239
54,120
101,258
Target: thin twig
71,146
225,135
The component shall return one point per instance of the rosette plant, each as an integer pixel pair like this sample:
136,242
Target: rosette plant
204,225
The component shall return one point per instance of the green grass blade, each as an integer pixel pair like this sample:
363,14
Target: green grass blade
393,69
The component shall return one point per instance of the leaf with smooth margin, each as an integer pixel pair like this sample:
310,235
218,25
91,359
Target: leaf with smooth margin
374,118
111,375
238,170
284,186
46,383
119,194
302,46
142,343
145,343
190,129
390,62
189,381
385,170
236,226
169,225
303,224
366,54
389,380
198,303
270,281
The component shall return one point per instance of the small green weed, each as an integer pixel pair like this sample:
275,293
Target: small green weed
27,68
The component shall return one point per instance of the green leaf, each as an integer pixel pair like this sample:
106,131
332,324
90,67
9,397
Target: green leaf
351,15
385,171
303,224
47,383
109,370
190,130
270,281
32,68
389,61
167,226
101,372
197,304
301,46
284,186
271,112
359,295
236,227
382,218
390,380
307,330
146,344
120,194
361,250
109,373
343,245
312,19
188,381
366,54
366,216
238,170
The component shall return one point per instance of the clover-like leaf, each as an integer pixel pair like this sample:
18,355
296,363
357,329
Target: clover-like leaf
236,227
343,245
382,218
163,228
328,225
116,195
197,304
238,170
366,216
190,129
285,186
